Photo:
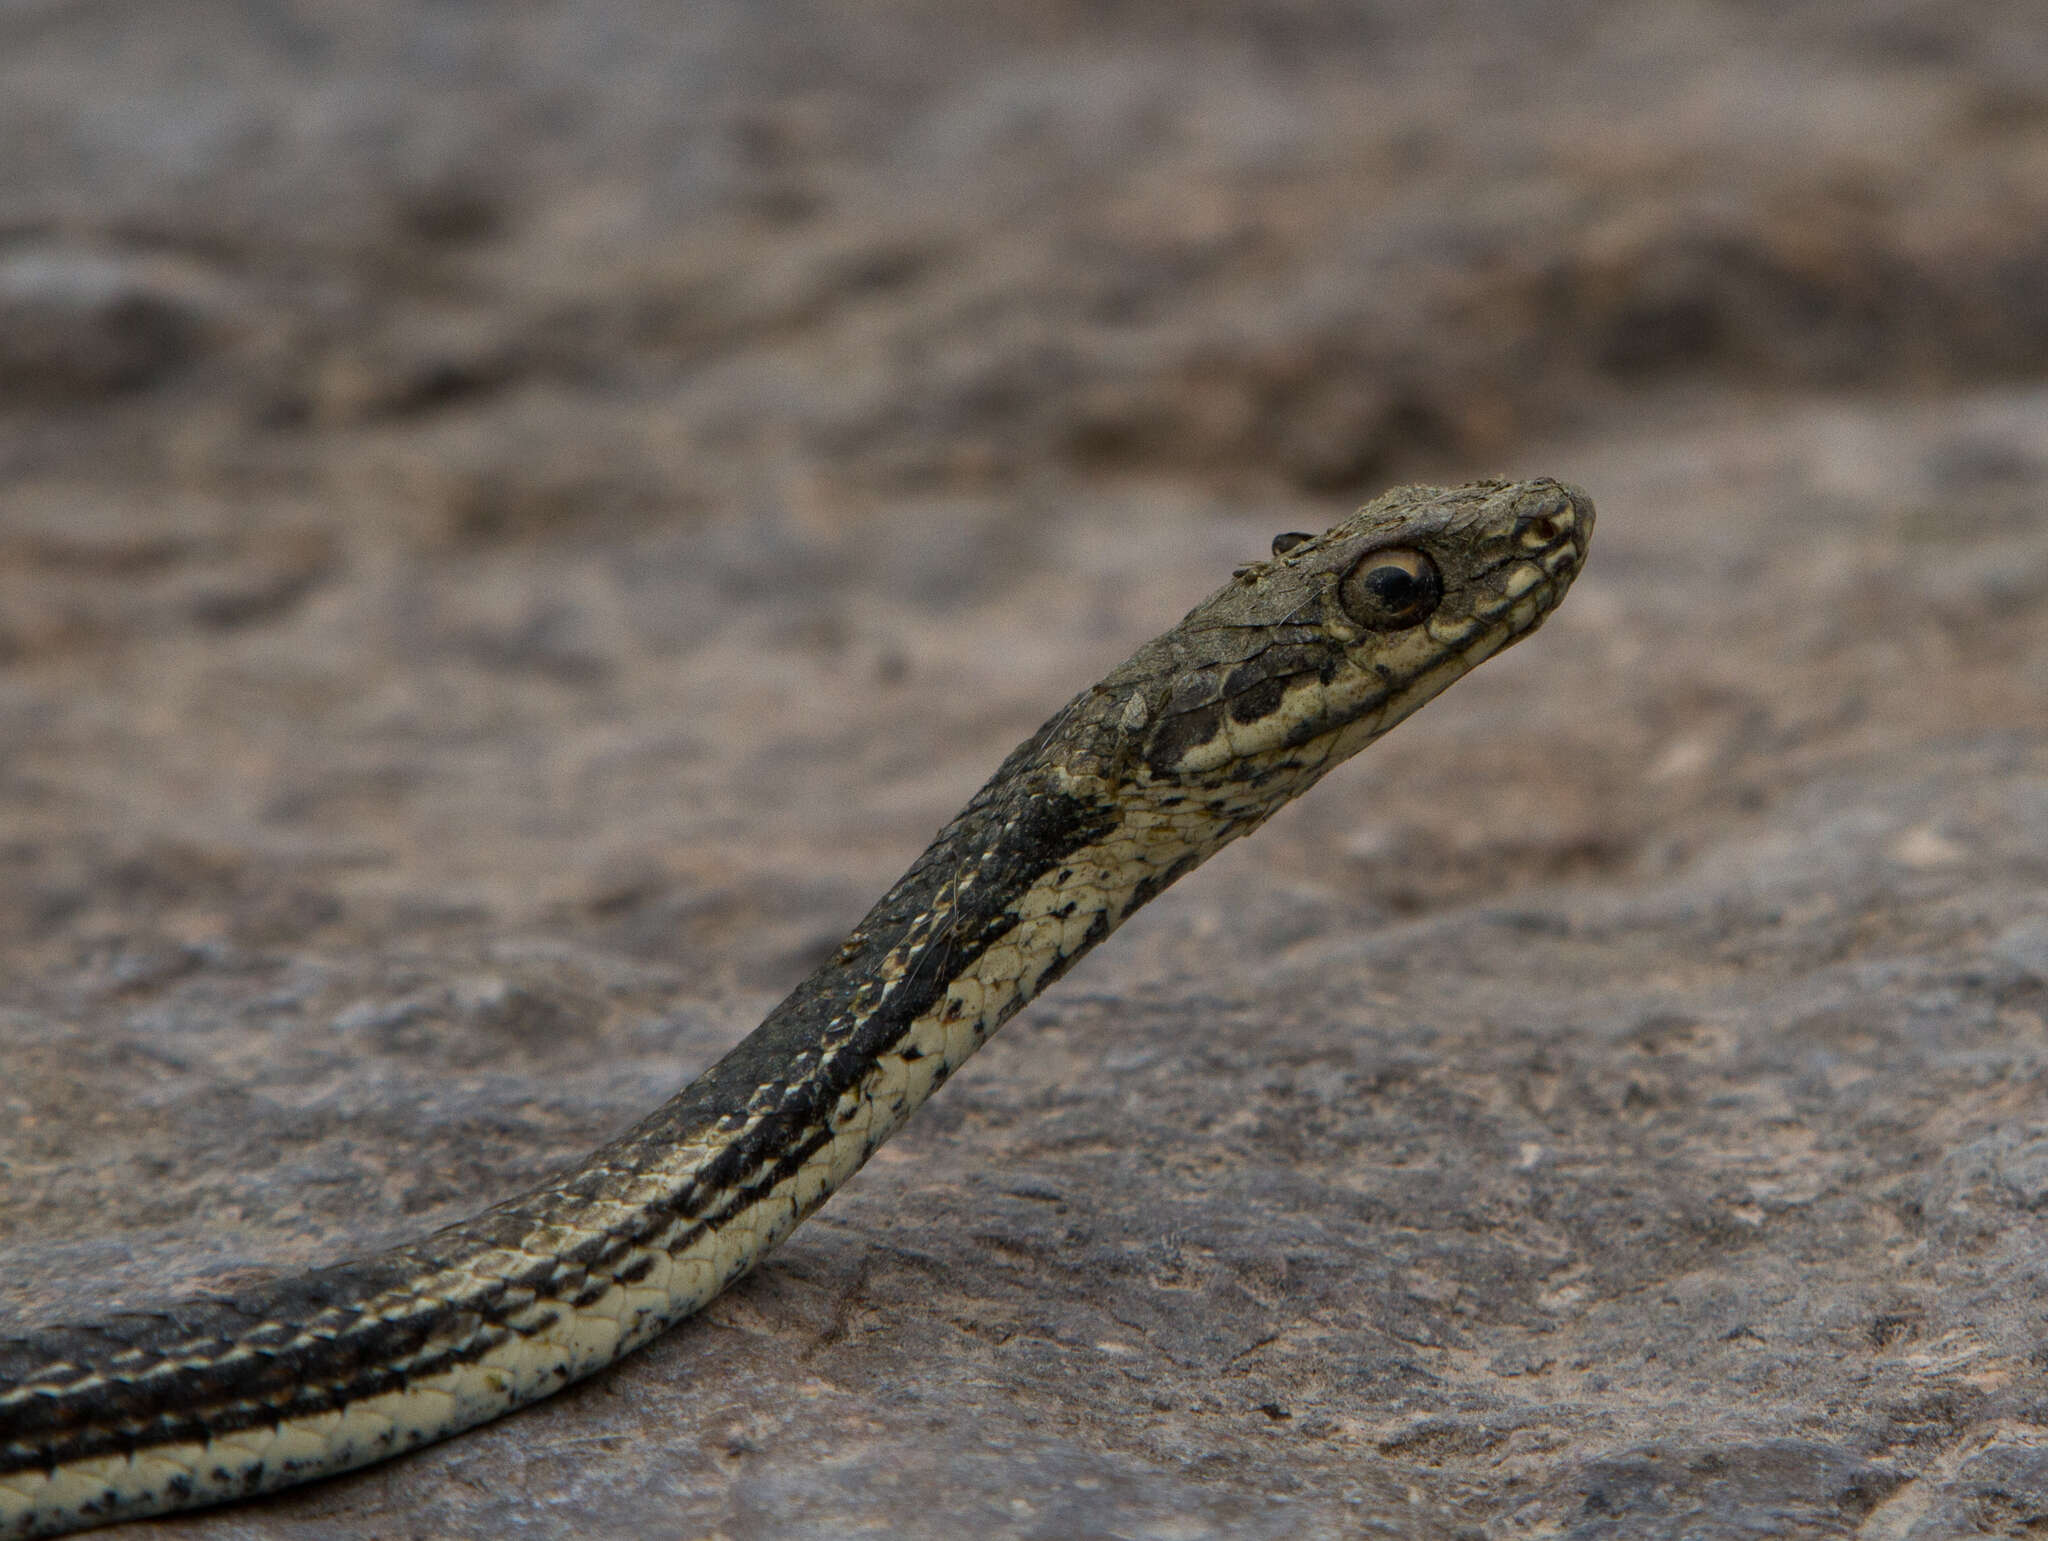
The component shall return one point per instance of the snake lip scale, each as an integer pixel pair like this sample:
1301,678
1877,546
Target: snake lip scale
1295,664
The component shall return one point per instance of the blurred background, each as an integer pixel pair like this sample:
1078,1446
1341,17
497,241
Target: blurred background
517,520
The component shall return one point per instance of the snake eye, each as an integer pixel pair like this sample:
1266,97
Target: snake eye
1391,589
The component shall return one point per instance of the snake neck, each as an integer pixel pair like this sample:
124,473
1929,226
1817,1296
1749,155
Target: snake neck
1036,870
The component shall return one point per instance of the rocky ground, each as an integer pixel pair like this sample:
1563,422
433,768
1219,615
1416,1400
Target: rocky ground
517,521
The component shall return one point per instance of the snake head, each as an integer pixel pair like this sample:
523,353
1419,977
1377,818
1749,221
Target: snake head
1304,659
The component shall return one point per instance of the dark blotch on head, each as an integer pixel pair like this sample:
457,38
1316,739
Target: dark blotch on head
1260,697
1282,544
1178,733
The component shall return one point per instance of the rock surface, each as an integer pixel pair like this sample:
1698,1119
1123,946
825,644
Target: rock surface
516,522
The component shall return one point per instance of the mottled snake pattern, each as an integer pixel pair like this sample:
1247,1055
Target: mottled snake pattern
1297,663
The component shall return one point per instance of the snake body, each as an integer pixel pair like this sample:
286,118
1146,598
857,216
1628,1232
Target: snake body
1294,665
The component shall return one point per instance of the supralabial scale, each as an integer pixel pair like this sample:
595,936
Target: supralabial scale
1295,664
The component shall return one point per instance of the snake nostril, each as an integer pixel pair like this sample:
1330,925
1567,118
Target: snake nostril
1556,519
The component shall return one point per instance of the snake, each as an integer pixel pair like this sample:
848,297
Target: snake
1299,661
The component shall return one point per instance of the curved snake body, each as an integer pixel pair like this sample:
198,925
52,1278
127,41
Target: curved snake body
1294,665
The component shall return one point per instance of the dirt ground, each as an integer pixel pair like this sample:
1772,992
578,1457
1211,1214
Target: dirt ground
516,521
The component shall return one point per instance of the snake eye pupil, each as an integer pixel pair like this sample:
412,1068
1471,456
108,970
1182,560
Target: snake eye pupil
1391,590
1393,587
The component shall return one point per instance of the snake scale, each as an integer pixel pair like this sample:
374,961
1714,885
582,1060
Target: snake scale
1297,663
